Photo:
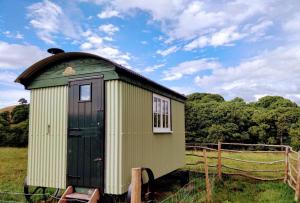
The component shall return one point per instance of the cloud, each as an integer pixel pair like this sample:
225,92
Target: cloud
11,97
16,35
167,51
220,38
10,92
95,44
190,68
274,72
50,20
7,78
153,68
216,23
183,90
108,13
15,56
162,9
109,29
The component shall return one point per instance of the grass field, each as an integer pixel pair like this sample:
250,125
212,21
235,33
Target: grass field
13,163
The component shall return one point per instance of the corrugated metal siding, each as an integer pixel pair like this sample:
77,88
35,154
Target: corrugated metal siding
113,138
131,142
48,147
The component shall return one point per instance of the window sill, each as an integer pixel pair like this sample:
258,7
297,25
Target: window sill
162,132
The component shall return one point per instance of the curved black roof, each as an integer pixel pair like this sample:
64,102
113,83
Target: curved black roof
39,66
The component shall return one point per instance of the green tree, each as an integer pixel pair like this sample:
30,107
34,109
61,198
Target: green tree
20,113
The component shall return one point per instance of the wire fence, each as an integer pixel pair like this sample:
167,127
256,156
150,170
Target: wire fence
255,161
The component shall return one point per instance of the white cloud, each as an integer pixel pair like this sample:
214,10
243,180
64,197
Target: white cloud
86,45
153,68
7,78
162,9
167,51
99,2
273,72
16,35
109,29
216,23
190,68
183,90
225,36
292,27
11,97
222,37
49,20
15,56
95,44
108,13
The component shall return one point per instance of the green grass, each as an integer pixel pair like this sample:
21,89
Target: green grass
13,162
241,190
236,190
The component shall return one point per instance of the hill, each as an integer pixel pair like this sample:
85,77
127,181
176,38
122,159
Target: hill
8,108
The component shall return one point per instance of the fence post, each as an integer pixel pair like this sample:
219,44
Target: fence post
219,161
286,171
207,183
297,193
136,185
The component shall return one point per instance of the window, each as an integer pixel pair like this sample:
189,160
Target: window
161,114
85,92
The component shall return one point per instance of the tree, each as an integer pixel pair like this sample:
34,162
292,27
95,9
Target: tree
272,120
22,101
20,113
294,133
205,97
274,102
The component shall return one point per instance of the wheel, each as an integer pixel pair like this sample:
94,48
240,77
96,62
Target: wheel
33,194
184,178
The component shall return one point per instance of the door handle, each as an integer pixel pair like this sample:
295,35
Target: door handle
97,159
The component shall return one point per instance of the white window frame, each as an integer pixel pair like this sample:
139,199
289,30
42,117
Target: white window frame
161,129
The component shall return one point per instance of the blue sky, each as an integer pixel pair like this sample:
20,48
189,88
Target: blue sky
235,48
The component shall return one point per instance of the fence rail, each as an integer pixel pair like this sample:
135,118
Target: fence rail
224,158
288,166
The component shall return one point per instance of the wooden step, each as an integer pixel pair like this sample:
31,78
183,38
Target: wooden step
77,195
92,197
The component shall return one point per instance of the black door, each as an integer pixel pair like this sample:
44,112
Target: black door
86,133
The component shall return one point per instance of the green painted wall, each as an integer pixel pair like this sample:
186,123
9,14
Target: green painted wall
53,76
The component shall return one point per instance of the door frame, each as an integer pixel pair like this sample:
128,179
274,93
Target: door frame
100,76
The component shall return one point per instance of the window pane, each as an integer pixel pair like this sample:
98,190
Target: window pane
167,121
155,120
159,105
155,104
164,121
85,92
166,108
158,120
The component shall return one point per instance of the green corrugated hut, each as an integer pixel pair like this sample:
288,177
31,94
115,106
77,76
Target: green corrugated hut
92,120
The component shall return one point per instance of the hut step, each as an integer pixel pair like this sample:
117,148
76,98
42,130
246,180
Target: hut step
80,196
92,197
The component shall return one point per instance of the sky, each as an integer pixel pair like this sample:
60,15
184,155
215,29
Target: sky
235,48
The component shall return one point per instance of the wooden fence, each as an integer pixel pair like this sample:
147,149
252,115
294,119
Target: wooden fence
287,168
215,157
